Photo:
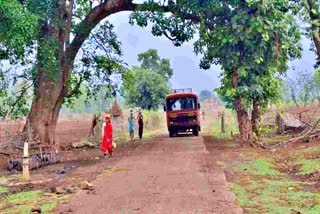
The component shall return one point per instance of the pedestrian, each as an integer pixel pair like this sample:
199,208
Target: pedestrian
140,123
131,124
106,142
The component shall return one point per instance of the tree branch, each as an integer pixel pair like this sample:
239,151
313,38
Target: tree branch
97,14
76,88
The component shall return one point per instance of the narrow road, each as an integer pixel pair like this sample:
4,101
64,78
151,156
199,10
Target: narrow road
165,175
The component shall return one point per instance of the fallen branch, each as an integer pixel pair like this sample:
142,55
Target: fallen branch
5,153
82,144
308,136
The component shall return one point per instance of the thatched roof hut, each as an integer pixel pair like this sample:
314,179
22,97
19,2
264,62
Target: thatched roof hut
116,111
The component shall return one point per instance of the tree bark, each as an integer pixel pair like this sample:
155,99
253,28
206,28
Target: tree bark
52,74
245,128
315,29
255,116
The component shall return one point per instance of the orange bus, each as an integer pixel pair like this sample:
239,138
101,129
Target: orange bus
182,111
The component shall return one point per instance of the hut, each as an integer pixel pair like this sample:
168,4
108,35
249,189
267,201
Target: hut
116,111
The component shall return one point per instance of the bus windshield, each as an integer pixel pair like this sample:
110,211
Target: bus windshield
181,103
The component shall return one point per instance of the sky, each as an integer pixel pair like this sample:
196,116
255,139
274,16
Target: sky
184,62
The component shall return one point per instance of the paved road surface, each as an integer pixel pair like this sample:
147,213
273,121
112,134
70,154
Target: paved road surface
166,175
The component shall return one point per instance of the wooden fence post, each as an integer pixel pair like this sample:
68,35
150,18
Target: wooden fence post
25,164
223,128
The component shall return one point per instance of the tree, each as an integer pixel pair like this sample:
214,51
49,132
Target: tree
205,95
151,60
17,28
303,88
310,12
62,63
235,34
241,36
145,88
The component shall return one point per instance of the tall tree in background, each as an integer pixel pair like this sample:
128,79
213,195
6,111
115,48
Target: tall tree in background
147,86
151,60
303,88
205,95
309,11
144,88
313,8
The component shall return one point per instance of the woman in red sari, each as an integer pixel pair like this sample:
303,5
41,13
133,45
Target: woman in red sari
106,142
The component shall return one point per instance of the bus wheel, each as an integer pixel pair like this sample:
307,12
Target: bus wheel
195,131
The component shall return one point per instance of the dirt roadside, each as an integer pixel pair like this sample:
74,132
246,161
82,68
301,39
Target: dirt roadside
166,175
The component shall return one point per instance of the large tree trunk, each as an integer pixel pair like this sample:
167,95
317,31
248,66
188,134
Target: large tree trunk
245,128
255,116
315,29
53,68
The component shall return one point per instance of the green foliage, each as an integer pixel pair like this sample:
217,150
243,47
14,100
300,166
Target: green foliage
28,32
251,40
17,29
84,104
147,86
309,12
317,78
15,102
144,88
151,60
98,67
231,126
304,87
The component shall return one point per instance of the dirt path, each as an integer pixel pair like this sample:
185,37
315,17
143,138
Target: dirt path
167,175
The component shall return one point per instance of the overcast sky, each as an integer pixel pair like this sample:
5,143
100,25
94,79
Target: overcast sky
184,62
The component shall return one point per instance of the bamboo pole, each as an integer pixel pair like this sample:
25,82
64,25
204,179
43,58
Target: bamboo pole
26,171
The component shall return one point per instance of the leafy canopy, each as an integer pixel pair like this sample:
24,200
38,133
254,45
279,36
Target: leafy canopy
144,88
22,41
151,60
252,38
205,95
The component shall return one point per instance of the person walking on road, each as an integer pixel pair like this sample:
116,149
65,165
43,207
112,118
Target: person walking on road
131,124
106,142
140,123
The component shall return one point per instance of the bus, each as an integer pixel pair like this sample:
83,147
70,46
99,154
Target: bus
183,112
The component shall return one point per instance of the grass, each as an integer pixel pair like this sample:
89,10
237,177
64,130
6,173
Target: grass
230,126
277,194
308,159
3,190
261,188
309,166
261,166
23,202
274,139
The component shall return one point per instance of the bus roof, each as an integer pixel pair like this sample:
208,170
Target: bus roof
181,94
